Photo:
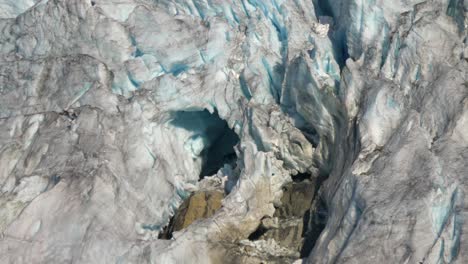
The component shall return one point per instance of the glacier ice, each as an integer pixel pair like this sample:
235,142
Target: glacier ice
113,112
12,8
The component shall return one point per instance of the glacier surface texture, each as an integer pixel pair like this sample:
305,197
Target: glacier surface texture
233,131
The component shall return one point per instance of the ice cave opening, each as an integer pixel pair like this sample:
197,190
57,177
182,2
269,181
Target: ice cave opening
212,136
212,142
220,152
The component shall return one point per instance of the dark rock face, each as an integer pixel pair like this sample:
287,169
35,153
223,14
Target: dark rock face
297,198
296,201
201,204
293,226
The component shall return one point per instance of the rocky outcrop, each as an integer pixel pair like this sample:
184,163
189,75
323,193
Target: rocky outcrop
200,205
282,238
294,224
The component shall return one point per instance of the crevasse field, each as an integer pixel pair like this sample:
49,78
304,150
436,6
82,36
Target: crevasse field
233,131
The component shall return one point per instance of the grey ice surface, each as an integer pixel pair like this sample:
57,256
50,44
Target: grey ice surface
107,108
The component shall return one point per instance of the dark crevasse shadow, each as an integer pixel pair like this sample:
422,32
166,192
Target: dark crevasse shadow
221,152
337,34
314,219
218,138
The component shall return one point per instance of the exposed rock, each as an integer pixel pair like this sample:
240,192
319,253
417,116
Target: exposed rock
200,205
288,227
297,199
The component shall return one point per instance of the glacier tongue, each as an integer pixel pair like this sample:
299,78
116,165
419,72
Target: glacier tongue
111,112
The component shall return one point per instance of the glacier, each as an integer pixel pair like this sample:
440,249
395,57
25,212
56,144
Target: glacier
331,131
